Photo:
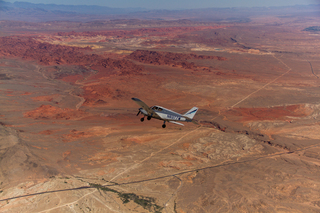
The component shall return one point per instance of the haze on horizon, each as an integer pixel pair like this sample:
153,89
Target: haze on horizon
175,4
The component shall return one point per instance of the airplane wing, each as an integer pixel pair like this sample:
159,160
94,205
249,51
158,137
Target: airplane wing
176,123
143,105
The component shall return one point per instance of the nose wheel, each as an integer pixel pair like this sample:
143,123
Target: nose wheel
142,119
164,125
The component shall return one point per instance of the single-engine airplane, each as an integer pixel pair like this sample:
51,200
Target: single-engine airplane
164,114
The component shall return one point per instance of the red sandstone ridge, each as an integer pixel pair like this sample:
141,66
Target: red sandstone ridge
51,112
123,64
272,113
50,54
44,53
168,58
100,94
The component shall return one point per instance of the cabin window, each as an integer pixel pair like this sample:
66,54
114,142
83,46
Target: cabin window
159,109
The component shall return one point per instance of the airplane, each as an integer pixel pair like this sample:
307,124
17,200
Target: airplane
164,114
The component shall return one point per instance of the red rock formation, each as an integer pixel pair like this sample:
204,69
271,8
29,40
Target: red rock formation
50,54
75,134
51,112
168,58
44,53
123,65
100,94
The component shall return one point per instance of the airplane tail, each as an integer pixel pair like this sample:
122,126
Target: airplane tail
191,113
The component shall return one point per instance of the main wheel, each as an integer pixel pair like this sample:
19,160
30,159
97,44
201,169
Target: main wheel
142,119
163,126
149,118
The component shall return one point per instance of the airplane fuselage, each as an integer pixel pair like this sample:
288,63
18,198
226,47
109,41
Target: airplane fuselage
162,113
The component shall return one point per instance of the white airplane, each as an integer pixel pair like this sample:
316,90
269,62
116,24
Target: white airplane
164,114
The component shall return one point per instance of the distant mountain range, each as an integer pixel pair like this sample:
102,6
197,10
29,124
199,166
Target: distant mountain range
83,9
24,11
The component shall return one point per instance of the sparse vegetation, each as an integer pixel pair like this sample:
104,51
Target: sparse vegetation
175,207
103,188
146,202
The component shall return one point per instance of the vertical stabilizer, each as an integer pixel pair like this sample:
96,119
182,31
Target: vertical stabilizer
191,113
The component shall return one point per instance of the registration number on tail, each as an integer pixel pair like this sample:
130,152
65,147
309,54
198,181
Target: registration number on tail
173,117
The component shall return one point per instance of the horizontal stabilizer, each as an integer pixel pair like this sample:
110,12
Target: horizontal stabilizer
191,113
176,123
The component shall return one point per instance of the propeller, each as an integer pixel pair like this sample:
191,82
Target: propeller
138,113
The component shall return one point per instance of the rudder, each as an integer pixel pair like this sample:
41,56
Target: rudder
191,113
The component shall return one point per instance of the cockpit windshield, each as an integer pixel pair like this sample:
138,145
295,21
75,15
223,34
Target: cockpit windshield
156,108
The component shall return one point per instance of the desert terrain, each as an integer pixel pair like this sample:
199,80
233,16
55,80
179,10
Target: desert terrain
70,140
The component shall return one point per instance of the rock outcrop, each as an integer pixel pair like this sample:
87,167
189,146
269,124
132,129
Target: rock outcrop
169,58
50,54
55,113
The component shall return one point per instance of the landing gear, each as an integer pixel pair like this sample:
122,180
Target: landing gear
142,119
149,118
164,125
